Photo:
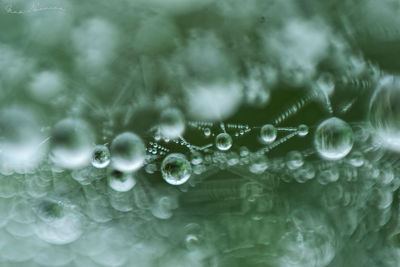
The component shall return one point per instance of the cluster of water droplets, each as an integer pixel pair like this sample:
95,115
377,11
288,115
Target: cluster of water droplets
195,151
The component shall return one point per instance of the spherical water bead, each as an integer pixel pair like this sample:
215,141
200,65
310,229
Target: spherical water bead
172,123
176,169
71,143
223,141
22,145
302,130
120,182
268,133
384,112
333,139
101,157
294,160
127,152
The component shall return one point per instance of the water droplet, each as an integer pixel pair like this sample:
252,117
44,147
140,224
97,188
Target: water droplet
302,130
223,141
58,223
127,152
305,173
22,145
356,159
176,169
197,158
244,151
259,164
101,157
71,143
333,139
163,207
384,113
268,133
294,160
194,236
328,176
120,182
207,132
151,168
172,123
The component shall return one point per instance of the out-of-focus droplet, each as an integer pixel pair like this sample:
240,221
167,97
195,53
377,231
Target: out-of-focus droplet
223,141
176,169
71,143
268,133
46,85
333,139
127,152
58,223
197,158
259,164
384,112
294,160
163,207
207,132
22,145
172,123
356,159
328,176
101,157
120,182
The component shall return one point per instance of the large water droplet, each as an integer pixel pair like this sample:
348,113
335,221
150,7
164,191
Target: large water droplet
176,169
268,133
121,182
333,139
72,143
384,112
223,141
21,143
172,123
58,222
127,152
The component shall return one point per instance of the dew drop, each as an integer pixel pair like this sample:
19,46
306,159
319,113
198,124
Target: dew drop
333,139
172,123
223,141
120,182
294,160
127,152
302,130
268,133
71,145
384,112
176,169
101,157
